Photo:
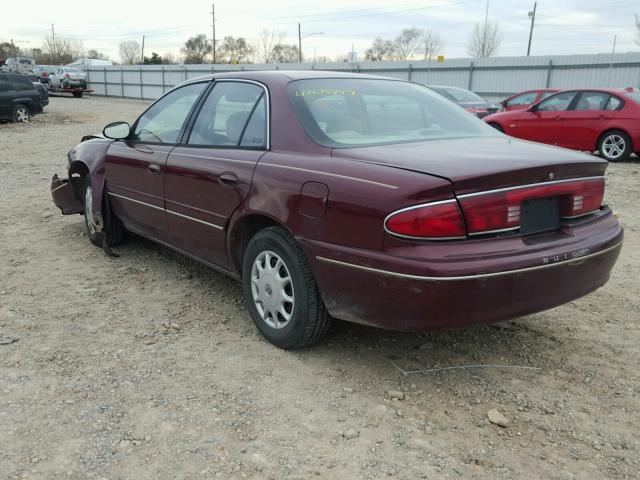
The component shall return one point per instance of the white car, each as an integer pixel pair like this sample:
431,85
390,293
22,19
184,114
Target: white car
68,77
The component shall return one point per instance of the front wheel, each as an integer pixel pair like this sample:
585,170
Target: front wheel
615,146
280,291
114,230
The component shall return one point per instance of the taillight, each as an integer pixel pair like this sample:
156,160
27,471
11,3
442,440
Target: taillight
435,221
499,210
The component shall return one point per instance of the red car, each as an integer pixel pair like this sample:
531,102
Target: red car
347,196
523,100
606,120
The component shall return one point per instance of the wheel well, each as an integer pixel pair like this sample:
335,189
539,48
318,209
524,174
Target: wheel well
615,130
77,171
242,233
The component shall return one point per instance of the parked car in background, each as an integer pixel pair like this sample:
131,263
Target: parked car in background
20,65
19,99
44,93
68,77
44,71
468,100
523,100
603,120
351,196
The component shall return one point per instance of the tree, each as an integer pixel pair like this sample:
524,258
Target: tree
130,52
406,44
59,50
235,50
196,49
283,53
264,45
432,43
485,39
155,59
75,48
8,50
379,50
168,58
93,53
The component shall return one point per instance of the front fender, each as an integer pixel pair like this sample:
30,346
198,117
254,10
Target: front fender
88,159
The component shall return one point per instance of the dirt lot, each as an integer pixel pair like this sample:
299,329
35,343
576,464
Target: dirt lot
147,366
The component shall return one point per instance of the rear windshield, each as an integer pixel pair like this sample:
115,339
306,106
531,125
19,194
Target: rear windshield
342,113
635,96
459,95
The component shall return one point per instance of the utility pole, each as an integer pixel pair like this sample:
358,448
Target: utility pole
142,60
213,31
299,44
532,15
486,24
53,46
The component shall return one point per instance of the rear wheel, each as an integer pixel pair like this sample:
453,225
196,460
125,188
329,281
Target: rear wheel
615,146
114,230
280,291
21,114
77,94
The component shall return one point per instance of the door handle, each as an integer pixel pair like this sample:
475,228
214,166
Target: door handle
154,168
228,179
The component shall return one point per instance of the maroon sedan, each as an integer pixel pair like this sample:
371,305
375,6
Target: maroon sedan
348,196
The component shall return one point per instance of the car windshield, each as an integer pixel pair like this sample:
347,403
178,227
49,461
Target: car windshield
342,113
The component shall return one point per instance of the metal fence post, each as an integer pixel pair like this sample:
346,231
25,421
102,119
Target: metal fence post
88,78
106,87
121,82
141,85
185,74
409,72
471,65
163,79
549,70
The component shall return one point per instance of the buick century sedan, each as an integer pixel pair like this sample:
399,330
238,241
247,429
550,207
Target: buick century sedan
347,196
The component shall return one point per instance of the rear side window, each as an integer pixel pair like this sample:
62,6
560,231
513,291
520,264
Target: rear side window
233,115
4,83
22,83
592,101
614,104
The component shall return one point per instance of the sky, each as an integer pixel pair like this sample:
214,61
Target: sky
562,26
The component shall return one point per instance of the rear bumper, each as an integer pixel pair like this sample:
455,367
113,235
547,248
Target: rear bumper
495,280
64,196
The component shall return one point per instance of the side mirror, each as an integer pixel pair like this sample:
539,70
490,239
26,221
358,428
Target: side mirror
117,130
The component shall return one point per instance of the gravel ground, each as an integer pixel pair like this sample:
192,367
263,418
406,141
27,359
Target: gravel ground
148,366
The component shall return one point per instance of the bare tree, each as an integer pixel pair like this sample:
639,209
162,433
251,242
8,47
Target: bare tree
485,39
130,52
235,50
196,49
432,44
61,50
75,48
283,53
407,43
168,58
93,53
379,50
265,43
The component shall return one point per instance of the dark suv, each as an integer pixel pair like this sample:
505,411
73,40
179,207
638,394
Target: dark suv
19,99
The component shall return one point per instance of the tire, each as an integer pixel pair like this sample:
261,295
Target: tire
308,321
615,146
21,114
115,231
77,94
497,127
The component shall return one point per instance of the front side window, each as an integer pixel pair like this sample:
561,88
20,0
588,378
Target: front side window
342,113
163,122
524,99
557,103
233,115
